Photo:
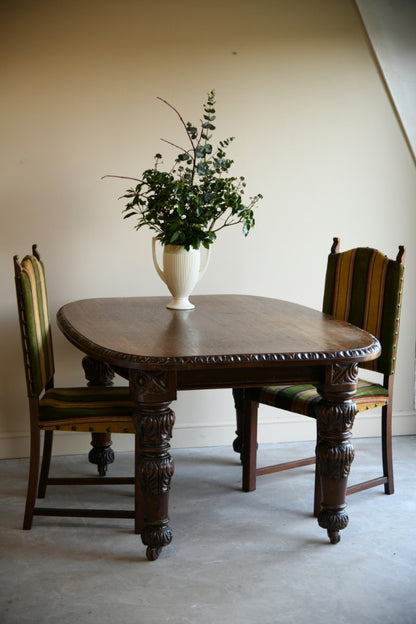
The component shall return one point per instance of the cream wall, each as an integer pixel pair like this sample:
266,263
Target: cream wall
316,135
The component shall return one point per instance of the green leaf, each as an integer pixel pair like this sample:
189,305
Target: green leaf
202,168
174,237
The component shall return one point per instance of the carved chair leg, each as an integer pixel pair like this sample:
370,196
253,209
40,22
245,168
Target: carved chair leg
99,374
46,462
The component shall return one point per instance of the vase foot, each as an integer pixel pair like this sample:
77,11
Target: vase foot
180,304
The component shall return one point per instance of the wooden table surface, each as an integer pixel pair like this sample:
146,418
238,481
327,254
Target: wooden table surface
222,329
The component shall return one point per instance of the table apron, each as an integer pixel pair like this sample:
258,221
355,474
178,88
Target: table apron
244,377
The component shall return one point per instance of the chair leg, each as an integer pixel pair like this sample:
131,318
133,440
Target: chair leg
138,496
33,477
46,462
238,395
249,443
387,450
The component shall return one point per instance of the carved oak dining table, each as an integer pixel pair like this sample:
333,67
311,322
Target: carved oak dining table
227,341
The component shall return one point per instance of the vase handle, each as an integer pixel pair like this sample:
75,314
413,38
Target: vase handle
205,265
155,262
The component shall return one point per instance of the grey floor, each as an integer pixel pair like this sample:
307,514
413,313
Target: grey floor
257,558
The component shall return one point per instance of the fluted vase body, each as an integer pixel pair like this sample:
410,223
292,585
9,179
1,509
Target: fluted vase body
181,272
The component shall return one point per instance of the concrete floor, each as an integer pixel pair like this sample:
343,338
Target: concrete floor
237,558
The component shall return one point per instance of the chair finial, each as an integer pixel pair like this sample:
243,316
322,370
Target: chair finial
35,251
336,245
401,256
17,265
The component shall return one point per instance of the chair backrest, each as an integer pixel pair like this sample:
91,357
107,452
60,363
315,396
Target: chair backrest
35,327
364,287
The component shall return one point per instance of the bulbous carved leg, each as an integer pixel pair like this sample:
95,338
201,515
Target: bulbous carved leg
101,453
99,374
154,423
334,454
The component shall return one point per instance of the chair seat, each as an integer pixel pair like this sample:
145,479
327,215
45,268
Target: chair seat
302,398
86,409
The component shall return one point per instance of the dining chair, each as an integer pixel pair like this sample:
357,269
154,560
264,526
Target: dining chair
81,409
364,288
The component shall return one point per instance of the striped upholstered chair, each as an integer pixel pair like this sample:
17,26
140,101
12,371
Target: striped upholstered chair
363,287
89,409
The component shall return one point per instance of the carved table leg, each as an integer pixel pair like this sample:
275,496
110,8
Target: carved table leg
334,455
153,392
154,423
99,374
101,453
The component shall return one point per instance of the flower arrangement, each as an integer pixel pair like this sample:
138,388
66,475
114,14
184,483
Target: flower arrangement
197,197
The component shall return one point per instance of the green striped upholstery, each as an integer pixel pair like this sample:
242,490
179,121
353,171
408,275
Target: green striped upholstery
35,325
364,287
302,399
92,401
87,404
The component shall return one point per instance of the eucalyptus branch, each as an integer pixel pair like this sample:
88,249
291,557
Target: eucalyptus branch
177,146
194,158
188,135
129,195
180,117
109,175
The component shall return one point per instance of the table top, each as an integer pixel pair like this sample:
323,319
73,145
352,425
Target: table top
222,330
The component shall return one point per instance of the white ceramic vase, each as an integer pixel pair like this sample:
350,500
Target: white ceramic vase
181,272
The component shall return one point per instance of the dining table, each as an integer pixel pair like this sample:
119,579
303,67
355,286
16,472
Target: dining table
228,341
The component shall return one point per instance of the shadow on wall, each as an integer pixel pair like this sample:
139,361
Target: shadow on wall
13,399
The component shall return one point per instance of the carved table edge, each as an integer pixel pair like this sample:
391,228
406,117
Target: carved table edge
135,361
